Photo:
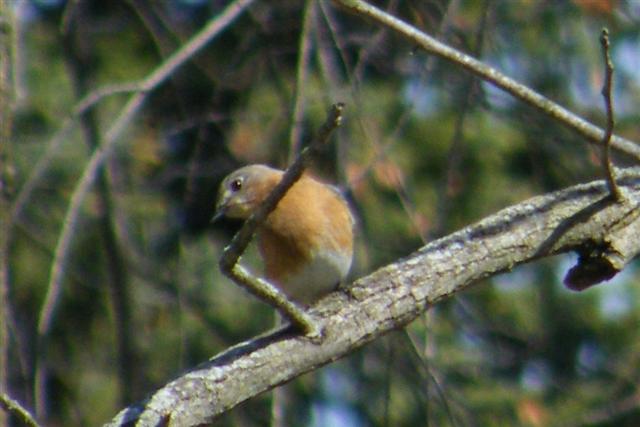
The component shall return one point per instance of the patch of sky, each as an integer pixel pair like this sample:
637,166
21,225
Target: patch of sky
626,59
590,358
335,409
616,296
535,376
421,96
516,280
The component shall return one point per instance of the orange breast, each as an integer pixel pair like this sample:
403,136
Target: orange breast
307,241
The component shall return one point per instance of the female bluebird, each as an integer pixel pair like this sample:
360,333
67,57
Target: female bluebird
306,243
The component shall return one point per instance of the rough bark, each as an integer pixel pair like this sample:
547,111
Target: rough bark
583,218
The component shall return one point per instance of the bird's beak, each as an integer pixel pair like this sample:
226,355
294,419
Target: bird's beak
221,210
216,216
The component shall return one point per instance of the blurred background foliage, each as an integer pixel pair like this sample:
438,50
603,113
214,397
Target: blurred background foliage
425,149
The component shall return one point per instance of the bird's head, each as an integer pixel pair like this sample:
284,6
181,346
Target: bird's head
243,190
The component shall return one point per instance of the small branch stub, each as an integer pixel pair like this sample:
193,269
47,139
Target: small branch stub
606,139
593,267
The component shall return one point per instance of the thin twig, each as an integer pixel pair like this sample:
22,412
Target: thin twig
606,94
428,374
229,260
302,71
14,407
429,44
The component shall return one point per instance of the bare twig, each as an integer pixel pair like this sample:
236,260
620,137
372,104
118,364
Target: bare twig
591,132
129,111
606,94
7,93
14,407
302,70
229,260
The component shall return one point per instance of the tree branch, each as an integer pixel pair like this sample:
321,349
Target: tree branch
572,219
14,407
606,94
416,37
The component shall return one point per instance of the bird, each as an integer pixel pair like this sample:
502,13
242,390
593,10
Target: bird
306,242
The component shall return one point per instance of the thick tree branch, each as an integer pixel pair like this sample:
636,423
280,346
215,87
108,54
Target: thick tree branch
429,44
583,216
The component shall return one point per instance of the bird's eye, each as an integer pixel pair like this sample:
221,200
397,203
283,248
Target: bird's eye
236,185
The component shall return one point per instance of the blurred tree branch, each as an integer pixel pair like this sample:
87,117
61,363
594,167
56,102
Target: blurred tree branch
592,133
582,216
78,57
6,185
